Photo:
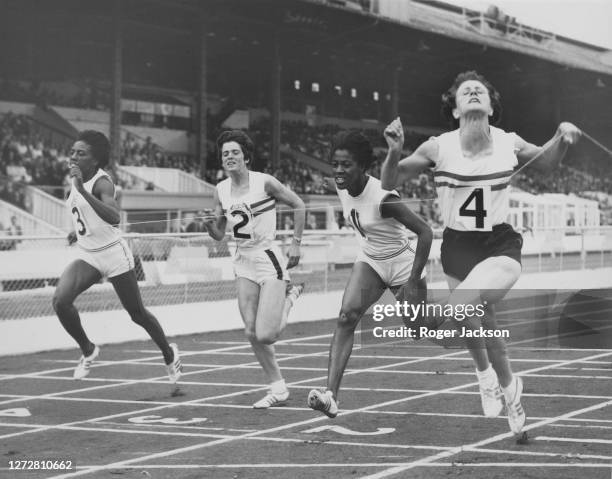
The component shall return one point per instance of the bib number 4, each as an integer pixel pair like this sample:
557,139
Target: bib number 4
476,205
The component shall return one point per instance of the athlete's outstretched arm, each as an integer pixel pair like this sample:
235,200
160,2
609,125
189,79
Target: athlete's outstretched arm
394,172
283,194
552,152
101,199
215,220
392,207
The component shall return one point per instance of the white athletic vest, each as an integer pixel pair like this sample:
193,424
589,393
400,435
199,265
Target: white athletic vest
474,194
252,216
93,233
379,238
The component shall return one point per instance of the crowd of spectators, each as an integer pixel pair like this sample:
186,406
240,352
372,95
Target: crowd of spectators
144,152
563,179
28,158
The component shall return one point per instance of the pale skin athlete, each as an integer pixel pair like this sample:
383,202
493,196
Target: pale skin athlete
264,307
472,102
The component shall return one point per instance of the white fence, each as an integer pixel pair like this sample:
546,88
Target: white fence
191,268
28,223
49,209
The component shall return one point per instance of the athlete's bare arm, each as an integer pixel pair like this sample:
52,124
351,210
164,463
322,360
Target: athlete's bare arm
283,194
552,152
392,207
102,199
215,221
394,172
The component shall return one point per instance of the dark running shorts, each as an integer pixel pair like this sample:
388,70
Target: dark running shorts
462,250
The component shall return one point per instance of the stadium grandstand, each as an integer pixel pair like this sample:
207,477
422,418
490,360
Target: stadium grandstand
162,79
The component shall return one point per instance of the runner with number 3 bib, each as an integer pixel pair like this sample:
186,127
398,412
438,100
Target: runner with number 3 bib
102,252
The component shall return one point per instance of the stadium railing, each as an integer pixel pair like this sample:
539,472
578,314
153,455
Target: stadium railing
178,268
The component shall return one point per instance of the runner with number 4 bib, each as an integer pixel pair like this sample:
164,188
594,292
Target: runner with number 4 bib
247,201
481,253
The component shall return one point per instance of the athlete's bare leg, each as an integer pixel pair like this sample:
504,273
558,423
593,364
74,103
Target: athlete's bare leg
76,278
248,303
488,281
126,287
362,290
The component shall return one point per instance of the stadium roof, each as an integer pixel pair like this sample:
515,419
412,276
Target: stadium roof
540,76
472,26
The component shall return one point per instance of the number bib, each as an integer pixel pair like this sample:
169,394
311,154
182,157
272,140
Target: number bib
80,226
242,221
471,208
354,218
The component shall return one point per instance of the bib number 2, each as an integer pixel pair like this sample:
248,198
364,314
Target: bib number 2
476,205
241,224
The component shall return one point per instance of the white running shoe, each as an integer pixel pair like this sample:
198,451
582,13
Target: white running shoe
175,368
490,398
514,408
324,402
271,400
85,363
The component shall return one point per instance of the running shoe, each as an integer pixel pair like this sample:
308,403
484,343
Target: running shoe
272,400
490,398
514,408
175,368
323,401
85,363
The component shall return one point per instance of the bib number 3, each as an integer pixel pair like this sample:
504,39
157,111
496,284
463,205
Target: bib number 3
473,212
80,225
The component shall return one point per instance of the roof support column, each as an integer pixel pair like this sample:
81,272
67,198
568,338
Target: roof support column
555,97
202,107
275,110
115,107
395,90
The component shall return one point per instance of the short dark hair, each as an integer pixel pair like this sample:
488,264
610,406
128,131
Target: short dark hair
449,97
99,145
240,137
357,144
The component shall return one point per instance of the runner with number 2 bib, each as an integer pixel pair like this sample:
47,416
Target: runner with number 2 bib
247,201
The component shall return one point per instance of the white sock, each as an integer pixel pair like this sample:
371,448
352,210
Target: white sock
488,376
278,387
